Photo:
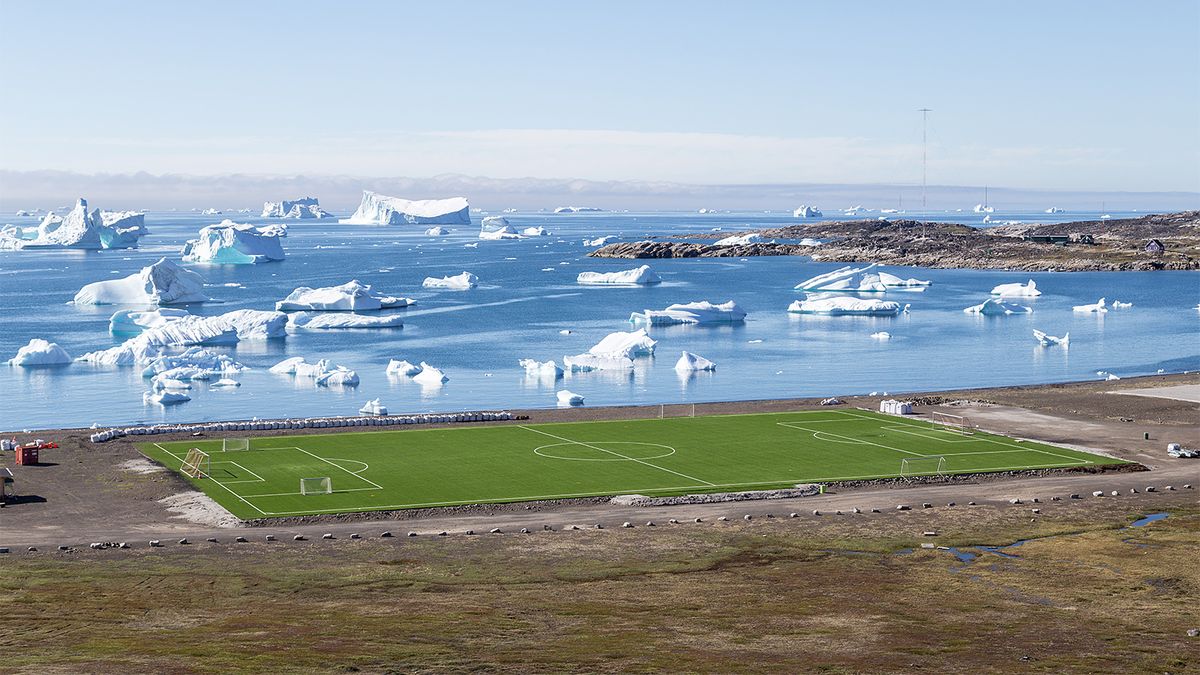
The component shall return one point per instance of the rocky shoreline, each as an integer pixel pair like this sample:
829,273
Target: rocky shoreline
1102,245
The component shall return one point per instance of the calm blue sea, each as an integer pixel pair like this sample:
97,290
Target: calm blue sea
528,294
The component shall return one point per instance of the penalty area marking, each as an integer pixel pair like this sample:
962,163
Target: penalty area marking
538,451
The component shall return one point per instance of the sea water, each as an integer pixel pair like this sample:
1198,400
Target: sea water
527,295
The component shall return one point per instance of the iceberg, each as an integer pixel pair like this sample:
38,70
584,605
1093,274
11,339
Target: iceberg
377,209
404,368
893,281
881,335
164,397
625,345
547,370
81,229
1055,209
537,231
1049,340
163,283
807,212
689,362
373,407
351,296
846,306
305,208
576,209
1029,290
845,280
585,363
131,321
210,212
430,376
1096,308
176,326
600,241
193,358
40,353
340,376
740,239
569,398
638,275
257,324
980,208
437,231
323,373
459,282
235,244
1117,304
702,312
495,228
225,382
997,308
334,321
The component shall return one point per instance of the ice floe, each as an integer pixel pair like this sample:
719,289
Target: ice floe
1117,304
377,209
41,353
576,209
1017,290
740,239
845,280
805,211
233,243
163,283
584,363
541,370
351,296
321,321
846,306
373,407
1050,341
1055,209
193,358
396,367
79,229
689,362
305,208
323,372
495,228
599,241
881,335
980,208
535,231
437,231
625,345
638,275
702,312
458,282
430,376
891,281
997,308
164,397
569,398
1099,307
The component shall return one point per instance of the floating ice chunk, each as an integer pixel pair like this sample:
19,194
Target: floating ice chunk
564,331
625,345
404,368
569,398
226,382
305,208
458,282
807,212
351,296
130,321
1050,341
702,312
373,407
1028,290
437,231
210,212
341,376
257,324
541,370
809,241
197,358
164,397
576,209
1117,304
1095,308
40,353
689,362
997,308
233,243
536,231
1110,376
599,241
980,208
81,229
377,209
584,363
892,281
287,366
169,383
163,283
496,228
881,335
638,275
333,321
430,376
847,306
1054,209
740,239
845,280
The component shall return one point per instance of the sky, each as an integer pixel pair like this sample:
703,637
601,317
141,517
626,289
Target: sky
1087,96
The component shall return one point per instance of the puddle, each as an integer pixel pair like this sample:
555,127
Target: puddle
963,556
1142,522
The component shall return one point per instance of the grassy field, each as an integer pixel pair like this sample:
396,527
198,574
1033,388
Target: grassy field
510,463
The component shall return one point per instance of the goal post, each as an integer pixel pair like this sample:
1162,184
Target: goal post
316,486
958,423
235,444
911,467
196,464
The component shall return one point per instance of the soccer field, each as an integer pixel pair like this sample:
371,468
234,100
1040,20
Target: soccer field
521,462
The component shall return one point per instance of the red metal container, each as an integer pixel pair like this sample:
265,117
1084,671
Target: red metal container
26,455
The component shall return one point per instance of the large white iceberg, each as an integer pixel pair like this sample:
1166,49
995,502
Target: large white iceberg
80,229
997,308
1096,308
807,212
377,209
638,275
576,209
163,283
740,239
535,231
689,362
496,228
351,296
333,321
847,306
569,398
41,353
599,241
192,359
306,208
164,397
892,281
458,282
845,280
625,345
1017,290
430,376
134,321
323,373
542,370
585,363
165,330
1049,340
404,368
702,312
235,244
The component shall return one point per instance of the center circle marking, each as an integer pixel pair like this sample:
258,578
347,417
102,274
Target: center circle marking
616,446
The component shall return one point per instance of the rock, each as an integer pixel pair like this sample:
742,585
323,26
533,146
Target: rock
412,534
673,521
793,514
495,530
327,535
1098,493
211,540
1036,510
385,534
1149,488
240,540
524,530
903,507
1014,500
927,505
298,537
184,542
723,519
747,517
153,543
649,523
858,510
816,512
355,535
1075,495
1193,632
270,537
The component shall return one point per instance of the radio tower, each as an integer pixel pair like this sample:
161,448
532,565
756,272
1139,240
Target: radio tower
924,159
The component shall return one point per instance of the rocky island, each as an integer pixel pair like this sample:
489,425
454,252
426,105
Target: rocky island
1151,242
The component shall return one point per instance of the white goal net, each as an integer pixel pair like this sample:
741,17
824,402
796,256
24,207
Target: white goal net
957,423
911,467
316,486
235,444
196,464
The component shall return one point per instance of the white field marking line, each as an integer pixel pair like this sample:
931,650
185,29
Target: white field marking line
223,486
855,441
592,459
900,428
258,478
377,485
826,479
1000,442
293,494
365,466
654,466
822,436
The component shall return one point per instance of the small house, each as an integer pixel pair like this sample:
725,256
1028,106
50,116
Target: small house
1155,247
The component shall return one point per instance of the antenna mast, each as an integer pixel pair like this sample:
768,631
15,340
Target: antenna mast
924,157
